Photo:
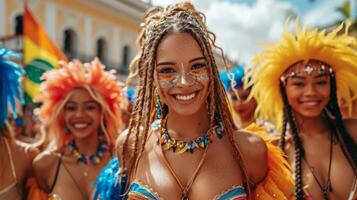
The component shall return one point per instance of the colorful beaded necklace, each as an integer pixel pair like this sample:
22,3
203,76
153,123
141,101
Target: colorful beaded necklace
181,147
93,159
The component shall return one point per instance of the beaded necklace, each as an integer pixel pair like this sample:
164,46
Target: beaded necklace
181,147
93,159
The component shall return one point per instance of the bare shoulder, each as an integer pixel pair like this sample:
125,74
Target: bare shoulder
29,150
254,152
44,165
125,138
351,126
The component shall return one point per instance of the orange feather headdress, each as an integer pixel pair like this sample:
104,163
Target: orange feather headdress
58,83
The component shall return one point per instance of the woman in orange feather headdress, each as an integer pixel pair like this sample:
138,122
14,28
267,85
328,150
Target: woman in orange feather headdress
81,113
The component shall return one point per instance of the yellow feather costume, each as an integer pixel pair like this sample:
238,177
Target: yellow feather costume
338,51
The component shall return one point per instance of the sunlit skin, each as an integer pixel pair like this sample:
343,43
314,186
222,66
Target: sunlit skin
82,110
82,119
180,59
243,106
308,95
180,75
22,157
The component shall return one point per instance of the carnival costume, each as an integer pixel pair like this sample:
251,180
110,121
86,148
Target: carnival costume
117,180
55,89
112,183
336,52
10,92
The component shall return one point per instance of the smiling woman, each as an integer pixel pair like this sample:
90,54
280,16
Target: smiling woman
182,142
80,111
300,81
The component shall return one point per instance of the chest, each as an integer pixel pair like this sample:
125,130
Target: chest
315,169
219,171
75,180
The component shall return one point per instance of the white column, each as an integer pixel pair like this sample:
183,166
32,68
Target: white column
115,47
2,17
88,39
50,20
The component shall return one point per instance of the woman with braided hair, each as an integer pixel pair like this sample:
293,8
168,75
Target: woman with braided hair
181,142
299,81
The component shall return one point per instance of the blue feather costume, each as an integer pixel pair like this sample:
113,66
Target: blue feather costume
10,84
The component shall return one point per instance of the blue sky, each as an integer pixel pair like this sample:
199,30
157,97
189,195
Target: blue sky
240,24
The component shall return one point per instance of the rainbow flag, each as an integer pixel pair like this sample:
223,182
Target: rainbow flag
40,54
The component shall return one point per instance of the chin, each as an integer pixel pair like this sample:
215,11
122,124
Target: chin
310,114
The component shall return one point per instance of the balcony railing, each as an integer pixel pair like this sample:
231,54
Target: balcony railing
13,42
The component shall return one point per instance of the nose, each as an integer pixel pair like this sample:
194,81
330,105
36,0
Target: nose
185,79
79,112
310,89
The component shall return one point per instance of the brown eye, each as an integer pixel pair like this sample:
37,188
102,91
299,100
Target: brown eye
167,70
91,107
298,84
70,108
322,82
198,66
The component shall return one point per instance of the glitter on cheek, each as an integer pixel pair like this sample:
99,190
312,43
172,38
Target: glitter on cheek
200,74
167,80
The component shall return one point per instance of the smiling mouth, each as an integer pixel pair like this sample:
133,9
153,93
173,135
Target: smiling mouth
185,97
80,125
310,103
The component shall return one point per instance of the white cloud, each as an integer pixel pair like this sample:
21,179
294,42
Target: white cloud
239,27
324,14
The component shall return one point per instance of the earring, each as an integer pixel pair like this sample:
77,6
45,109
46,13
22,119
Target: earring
220,126
66,130
158,105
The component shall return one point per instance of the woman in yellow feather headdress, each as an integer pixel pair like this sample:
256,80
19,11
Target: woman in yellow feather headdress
298,82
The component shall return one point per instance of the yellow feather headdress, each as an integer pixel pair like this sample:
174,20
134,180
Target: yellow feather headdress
337,50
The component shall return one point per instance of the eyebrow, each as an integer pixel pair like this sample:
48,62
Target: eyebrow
195,59
173,63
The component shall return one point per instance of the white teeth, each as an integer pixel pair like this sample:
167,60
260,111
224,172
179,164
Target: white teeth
80,125
311,103
185,97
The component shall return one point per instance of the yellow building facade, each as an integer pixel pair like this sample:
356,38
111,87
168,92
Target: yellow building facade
83,29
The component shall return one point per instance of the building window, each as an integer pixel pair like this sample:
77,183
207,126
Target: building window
70,43
18,25
102,50
126,57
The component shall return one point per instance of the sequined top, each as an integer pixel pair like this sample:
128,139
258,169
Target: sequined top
138,190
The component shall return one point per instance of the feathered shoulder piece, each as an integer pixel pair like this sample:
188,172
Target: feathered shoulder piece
337,50
110,183
278,183
10,84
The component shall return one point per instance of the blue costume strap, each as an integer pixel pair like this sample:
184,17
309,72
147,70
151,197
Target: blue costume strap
109,185
10,84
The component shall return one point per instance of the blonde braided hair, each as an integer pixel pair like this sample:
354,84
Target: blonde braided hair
158,23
